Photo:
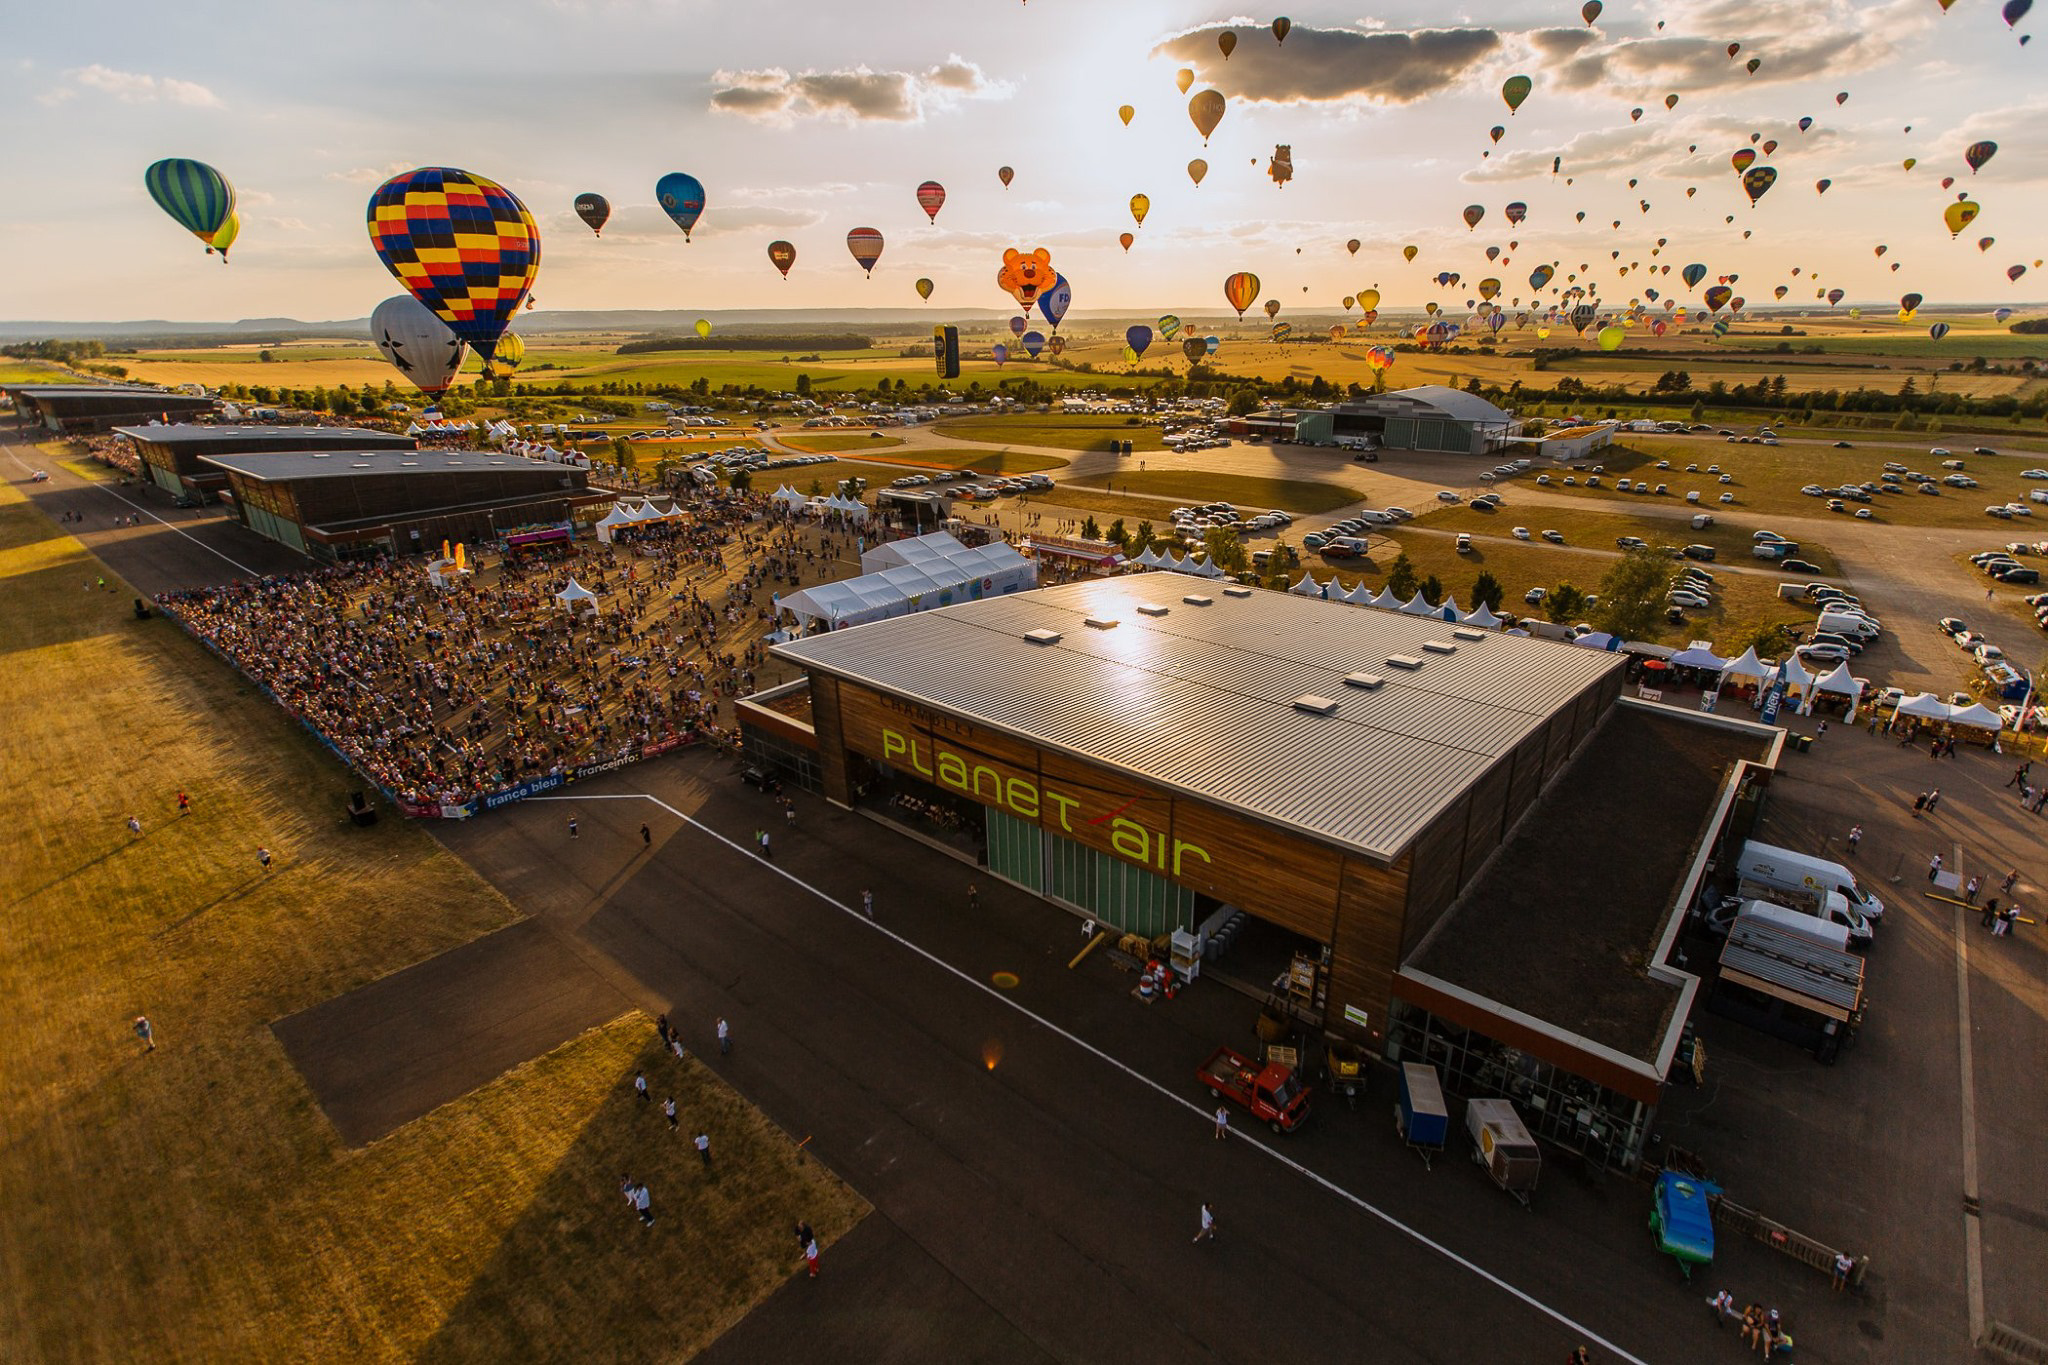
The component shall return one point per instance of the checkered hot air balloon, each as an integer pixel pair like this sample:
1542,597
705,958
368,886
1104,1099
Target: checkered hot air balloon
463,245
197,197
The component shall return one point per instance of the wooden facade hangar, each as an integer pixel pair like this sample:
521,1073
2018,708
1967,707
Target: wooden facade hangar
977,729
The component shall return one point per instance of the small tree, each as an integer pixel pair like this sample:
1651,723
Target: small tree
1090,531
1432,590
1143,540
623,454
1226,550
1118,536
1487,591
1244,403
1564,600
742,481
1401,578
1632,595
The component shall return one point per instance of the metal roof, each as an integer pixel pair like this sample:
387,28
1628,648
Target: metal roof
282,466
253,437
1201,700
1452,403
1794,962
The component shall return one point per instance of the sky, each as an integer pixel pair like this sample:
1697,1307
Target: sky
806,118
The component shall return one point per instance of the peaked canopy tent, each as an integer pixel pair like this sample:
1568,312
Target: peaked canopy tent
1923,706
1482,618
1386,601
1977,716
1307,587
1748,666
1698,658
1418,605
576,597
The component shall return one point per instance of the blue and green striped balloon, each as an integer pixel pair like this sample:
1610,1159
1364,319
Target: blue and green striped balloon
194,194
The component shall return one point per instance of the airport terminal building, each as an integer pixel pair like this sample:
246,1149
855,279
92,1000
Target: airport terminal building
1425,813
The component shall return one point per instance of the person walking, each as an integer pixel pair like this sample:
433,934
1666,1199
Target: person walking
146,1032
263,857
1990,912
1933,800
1844,1263
1222,1123
572,827
1919,804
704,1148
646,837
973,896
1933,867
2012,879
811,1254
724,1037
788,813
134,827
1855,838
643,1204
867,903
1821,731
675,1045
1208,1232
2005,919
640,1087
661,1026
668,1111
2019,774
1970,889
184,803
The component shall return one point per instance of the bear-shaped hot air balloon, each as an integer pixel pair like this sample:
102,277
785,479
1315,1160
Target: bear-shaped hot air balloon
1022,276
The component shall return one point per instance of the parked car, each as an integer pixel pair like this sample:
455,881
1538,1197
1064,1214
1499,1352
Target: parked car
1681,598
1631,542
1446,495
1798,566
1822,653
1698,552
1535,596
1554,537
1520,533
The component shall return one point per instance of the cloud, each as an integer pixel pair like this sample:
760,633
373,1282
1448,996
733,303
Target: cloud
1319,64
860,94
822,190
372,175
131,87
1793,39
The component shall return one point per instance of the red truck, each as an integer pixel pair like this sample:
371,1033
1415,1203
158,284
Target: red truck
1273,1094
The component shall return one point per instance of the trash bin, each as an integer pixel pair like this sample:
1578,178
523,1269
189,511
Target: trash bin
1802,742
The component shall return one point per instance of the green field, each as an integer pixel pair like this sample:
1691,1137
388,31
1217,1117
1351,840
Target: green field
980,459
199,1191
830,442
1598,530
30,372
1300,496
1082,431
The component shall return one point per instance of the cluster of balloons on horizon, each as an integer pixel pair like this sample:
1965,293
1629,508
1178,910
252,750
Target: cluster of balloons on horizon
468,250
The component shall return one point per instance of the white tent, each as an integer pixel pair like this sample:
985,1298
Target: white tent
1147,558
1923,706
1597,639
611,521
1448,608
1698,658
1307,587
1172,562
1209,569
1748,666
1793,673
1418,605
1482,618
961,574
787,496
1386,600
1840,682
1360,596
576,597
1977,716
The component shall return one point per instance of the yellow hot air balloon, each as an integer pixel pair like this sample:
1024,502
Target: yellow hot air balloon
1196,170
1241,290
1368,299
1959,215
1184,78
1125,112
703,327
1272,308
505,357
1612,337
1226,41
1140,206
1408,252
924,289
224,238
1206,109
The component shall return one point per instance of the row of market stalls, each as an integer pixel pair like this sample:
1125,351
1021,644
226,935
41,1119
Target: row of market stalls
796,504
646,513
915,574
541,450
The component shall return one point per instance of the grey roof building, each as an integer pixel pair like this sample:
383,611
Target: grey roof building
1432,417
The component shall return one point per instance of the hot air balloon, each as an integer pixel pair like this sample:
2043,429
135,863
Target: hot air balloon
1124,239
1742,160
1056,345
463,245
1473,213
1000,353
682,198
1821,186
505,357
1497,132
1835,296
1017,326
2000,314
1960,215
924,288
1006,175
1733,48
1184,78
1369,300
197,196
1226,42
1590,10
1272,308
2015,10
1514,90
2013,272
1408,252
1611,338
931,197
1756,180
594,210
1717,297
1241,290
1196,170
1125,112
1910,162
1138,337
1671,101
1540,276
1752,64
1771,145
702,327
1910,303
1140,206
411,337
1206,109
1978,153
1280,27
1194,348
1034,342
1352,246
1055,299
866,245
1693,274
1488,288
225,238
1938,330
782,256
1635,115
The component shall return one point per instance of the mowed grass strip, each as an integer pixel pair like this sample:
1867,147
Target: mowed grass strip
1241,490
830,442
193,1204
1082,431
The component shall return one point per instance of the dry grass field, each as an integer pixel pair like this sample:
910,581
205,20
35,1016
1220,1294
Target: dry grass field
193,1203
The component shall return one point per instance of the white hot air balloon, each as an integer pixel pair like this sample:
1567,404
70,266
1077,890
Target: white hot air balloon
419,344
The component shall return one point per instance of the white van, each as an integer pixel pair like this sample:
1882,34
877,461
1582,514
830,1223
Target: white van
1851,623
1769,865
1837,936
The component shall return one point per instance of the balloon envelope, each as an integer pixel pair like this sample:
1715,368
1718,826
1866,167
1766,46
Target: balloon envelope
1206,109
465,246
1196,170
924,289
1516,89
1055,302
418,343
682,198
931,197
1138,337
783,256
595,210
1241,290
866,245
193,193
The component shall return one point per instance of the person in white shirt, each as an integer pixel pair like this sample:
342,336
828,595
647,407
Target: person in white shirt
1208,1232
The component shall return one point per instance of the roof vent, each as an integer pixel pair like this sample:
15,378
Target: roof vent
1407,661
1439,647
1369,681
408,464
1314,705
360,464
1237,592
1467,633
1151,609
322,456
1195,599
1100,622
1043,637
